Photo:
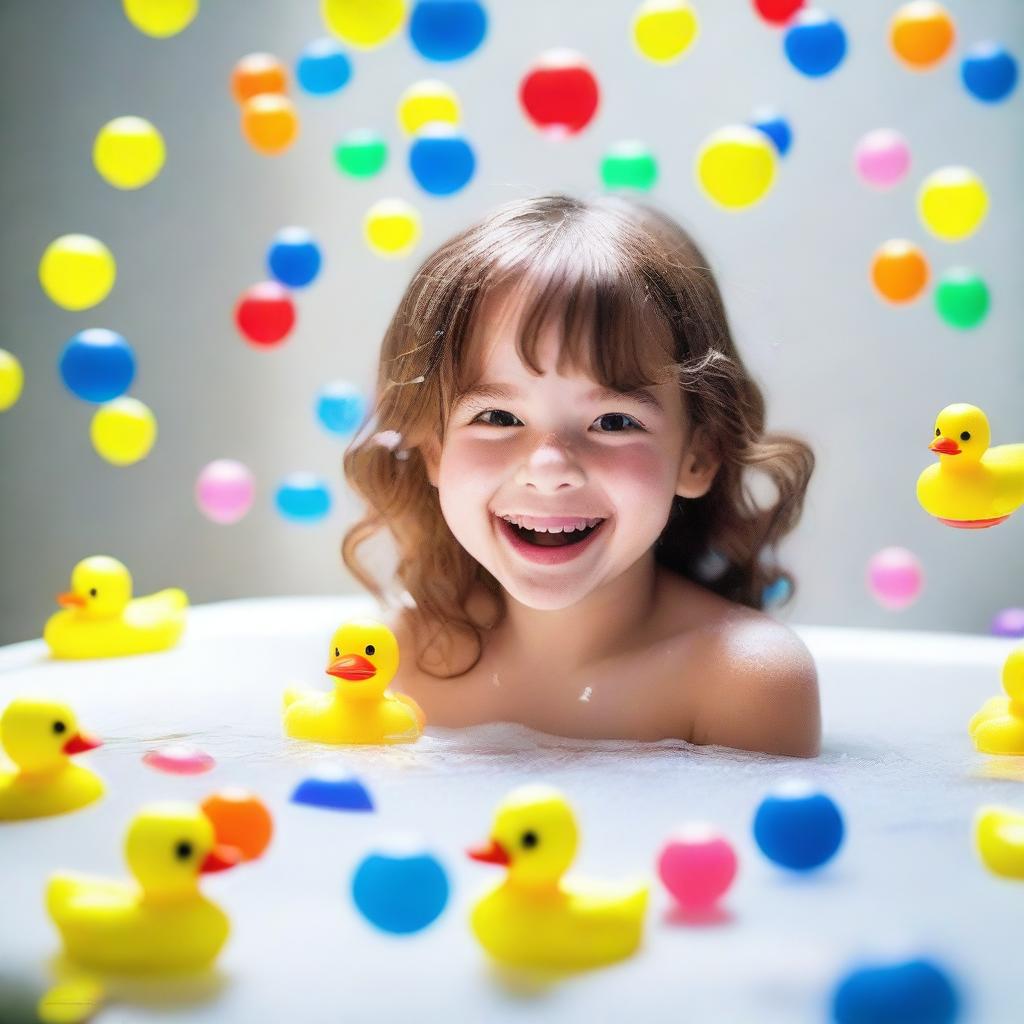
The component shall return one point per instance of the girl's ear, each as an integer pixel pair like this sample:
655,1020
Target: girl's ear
698,467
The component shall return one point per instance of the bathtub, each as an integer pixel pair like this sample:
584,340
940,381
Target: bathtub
896,757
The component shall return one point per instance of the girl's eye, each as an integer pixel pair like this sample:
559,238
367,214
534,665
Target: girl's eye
616,416
496,412
619,416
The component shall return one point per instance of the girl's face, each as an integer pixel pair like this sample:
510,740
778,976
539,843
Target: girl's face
555,445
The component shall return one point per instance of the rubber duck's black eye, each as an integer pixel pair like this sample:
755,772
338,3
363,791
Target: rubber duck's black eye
92,592
337,653
59,727
183,850
937,431
370,648
529,840
965,436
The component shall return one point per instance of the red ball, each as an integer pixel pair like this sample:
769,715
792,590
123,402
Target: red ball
559,93
778,12
265,313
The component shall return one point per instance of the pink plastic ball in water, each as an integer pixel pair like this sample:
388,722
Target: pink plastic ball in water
895,577
697,866
178,759
882,158
224,491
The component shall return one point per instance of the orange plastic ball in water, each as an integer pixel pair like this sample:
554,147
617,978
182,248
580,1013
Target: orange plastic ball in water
256,73
269,123
921,33
240,819
899,271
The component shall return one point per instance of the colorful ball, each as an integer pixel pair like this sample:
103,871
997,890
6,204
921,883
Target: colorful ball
559,93
697,866
895,578
629,165
178,759
798,827
962,298
123,431
899,271
12,378
736,166
663,30
391,227
97,365
265,314
128,152
340,407
77,271
777,592
777,12
441,160
303,498
1009,622
776,127
294,257
917,991
882,158
335,789
361,154
258,73
815,43
952,203
269,123
240,819
989,72
921,34
323,68
400,890
426,101
363,23
225,490
445,30
161,18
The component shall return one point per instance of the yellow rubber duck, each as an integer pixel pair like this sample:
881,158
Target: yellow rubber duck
100,619
999,835
363,659
536,919
998,728
160,921
39,736
972,486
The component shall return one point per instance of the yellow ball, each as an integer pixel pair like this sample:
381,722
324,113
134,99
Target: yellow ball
663,30
128,152
952,203
123,431
363,23
392,227
427,101
11,379
77,271
161,18
736,166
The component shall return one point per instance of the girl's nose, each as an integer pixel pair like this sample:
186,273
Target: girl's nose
549,466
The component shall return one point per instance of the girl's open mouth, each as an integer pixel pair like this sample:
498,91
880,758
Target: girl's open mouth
548,548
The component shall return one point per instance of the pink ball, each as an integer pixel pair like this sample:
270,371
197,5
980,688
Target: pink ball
895,577
224,491
178,760
697,865
882,158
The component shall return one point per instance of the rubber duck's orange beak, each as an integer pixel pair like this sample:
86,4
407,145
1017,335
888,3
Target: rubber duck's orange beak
352,666
220,858
494,853
81,742
70,600
944,446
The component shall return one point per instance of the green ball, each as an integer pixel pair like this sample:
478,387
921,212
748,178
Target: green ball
361,154
962,298
629,165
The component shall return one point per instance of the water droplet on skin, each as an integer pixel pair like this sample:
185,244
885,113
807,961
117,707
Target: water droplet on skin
585,695
495,680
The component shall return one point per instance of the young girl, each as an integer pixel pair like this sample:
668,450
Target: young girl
568,491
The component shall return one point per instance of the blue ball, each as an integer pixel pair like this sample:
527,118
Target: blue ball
815,43
776,127
798,827
400,892
323,68
340,407
334,791
97,365
989,72
447,29
441,161
303,498
776,592
294,258
911,992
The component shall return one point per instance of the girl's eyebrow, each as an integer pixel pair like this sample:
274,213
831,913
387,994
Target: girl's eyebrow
643,396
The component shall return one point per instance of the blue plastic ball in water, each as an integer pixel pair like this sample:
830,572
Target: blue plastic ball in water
776,127
444,30
400,890
303,498
777,592
97,365
989,72
908,992
441,160
340,407
798,827
323,68
294,258
815,43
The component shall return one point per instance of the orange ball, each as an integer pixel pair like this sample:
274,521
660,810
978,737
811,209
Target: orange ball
899,271
240,819
269,123
921,33
256,73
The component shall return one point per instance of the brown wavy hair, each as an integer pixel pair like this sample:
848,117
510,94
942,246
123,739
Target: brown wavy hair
636,304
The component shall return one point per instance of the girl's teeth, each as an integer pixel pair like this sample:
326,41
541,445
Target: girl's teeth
524,523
